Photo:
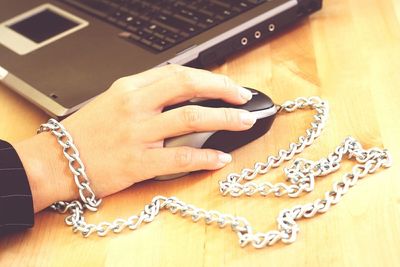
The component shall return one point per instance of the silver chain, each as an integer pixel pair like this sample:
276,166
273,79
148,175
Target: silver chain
301,176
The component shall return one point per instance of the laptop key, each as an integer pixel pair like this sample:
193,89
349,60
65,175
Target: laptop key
145,41
161,45
176,23
135,37
132,29
138,22
171,40
143,34
256,2
221,3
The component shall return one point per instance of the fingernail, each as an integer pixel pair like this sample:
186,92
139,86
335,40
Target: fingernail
245,94
225,158
248,118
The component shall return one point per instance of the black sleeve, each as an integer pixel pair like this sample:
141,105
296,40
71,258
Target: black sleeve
16,205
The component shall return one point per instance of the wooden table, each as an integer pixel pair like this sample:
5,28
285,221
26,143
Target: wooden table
349,54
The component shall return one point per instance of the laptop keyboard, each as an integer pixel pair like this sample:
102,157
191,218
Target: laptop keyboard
162,24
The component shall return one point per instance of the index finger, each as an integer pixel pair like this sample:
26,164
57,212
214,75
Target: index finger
193,83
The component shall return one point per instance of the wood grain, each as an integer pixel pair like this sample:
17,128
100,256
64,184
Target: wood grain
349,54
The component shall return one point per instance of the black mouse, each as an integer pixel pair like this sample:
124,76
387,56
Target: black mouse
223,140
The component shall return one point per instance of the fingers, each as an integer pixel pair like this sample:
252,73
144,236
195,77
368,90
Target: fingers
194,118
193,83
184,159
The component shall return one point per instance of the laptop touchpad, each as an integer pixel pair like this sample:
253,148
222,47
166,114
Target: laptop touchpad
37,28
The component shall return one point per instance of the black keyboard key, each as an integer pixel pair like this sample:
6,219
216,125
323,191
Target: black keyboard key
145,41
114,17
164,26
143,34
153,27
221,3
241,5
210,21
176,23
120,18
135,37
206,12
190,14
131,28
138,22
171,40
186,19
160,44
158,47
218,10
256,2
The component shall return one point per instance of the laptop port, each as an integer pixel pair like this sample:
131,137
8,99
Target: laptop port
243,41
271,27
257,34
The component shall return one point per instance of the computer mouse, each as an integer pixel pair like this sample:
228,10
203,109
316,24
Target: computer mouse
223,140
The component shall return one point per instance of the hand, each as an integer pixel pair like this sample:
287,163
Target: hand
120,133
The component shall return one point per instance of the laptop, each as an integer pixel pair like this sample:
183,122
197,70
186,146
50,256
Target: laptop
59,54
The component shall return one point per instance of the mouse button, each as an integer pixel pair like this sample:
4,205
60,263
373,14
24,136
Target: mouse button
264,113
209,103
258,102
216,103
228,141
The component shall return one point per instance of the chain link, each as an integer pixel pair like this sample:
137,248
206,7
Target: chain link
301,176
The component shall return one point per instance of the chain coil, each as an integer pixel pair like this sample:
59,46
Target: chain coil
301,176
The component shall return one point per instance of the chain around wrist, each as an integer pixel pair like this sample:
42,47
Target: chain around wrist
75,165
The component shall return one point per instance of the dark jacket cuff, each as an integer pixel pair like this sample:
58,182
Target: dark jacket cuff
16,204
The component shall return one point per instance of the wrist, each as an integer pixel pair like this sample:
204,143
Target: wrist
47,170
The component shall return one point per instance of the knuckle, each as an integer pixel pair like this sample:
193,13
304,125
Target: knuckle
121,82
184,157
174,68
191,116
130,102
208,157
188,80
228,115
226,81
124,84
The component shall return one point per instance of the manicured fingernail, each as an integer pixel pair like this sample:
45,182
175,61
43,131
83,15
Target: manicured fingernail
225,158
248,118
245,94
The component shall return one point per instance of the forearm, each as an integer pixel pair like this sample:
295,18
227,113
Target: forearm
47,170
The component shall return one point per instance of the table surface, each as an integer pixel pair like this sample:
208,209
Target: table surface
349,54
